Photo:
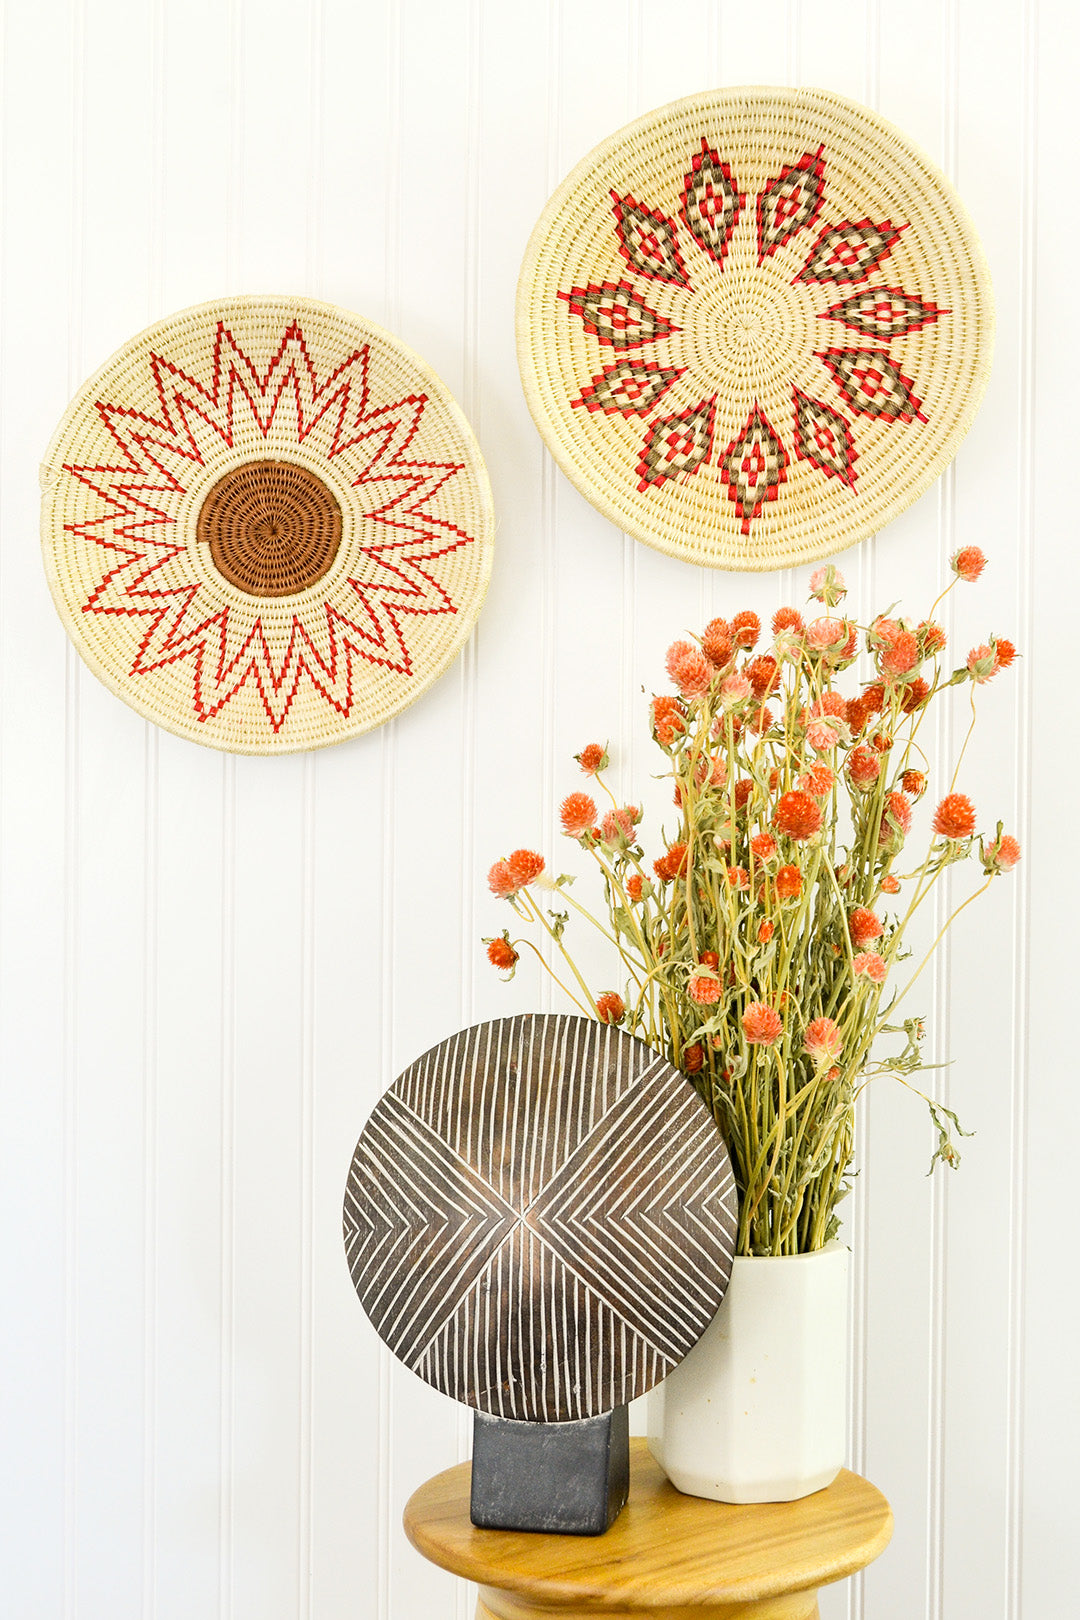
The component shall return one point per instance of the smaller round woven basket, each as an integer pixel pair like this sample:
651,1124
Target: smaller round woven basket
754,326
266,524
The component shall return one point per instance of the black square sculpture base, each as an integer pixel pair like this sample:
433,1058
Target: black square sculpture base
566,1478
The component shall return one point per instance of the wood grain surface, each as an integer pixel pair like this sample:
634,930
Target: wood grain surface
666,1551
540,1217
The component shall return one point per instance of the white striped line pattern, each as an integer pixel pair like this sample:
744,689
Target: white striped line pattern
540,1217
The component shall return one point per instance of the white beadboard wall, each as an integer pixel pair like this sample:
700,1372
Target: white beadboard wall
211,966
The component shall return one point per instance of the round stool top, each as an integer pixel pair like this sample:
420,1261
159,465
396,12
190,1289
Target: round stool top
664,1549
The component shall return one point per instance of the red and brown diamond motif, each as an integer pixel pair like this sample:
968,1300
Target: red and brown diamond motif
873,384
823,438
790,203
753,467
849,252
616,316
677,444
648,241
885,312
631,388
712,203
711,211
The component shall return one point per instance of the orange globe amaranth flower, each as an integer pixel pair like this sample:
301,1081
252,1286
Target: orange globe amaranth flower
857,715
500,953
787,618
825,732
592,758
827,584
895,817
819,780
671,864
734,689
932,636
704,989
1004,652
889,884
617,827
693,1058
669,720
864,926
763,673
882,741
968,563
610,1007
869,965
873,698
763,845
788,883
1003,854
759,720
981,664
744,787
915,693
577,814
716,642
525,867
501,880
737,877
709,959
864,767
954,817
823,1039
825,634
901,655
710,771
831,702
634,886
797,815
688,668
914,782
761,1025
745,629
765,932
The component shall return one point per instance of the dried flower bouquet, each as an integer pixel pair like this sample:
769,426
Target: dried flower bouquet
760,949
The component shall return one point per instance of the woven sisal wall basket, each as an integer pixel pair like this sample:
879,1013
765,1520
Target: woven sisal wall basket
266,524
754,326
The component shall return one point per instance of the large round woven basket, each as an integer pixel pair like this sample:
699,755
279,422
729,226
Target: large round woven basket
754,325
266,524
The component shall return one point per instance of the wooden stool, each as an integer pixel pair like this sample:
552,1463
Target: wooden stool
667,1556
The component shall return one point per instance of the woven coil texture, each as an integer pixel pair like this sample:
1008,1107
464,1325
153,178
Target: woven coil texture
266,524
754,326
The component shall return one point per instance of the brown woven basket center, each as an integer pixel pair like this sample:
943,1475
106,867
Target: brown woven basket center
273,528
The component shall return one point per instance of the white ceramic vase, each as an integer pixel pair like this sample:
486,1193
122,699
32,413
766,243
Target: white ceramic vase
758,1410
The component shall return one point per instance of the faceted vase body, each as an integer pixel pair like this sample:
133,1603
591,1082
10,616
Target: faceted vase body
757,1412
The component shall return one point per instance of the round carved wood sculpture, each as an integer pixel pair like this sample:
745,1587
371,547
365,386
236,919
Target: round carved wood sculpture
540,1217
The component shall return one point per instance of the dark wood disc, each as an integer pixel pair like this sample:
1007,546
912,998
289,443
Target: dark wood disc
540,1217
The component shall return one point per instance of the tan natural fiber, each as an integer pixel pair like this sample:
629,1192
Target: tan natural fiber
754,325
266,524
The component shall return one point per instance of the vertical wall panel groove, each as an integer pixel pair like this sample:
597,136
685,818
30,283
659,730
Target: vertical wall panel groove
862,1191
944,901
468,673
71,870
1024,758
227,1131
